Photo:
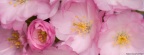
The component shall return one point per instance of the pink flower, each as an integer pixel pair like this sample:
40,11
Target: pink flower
118,5
60,50
16,25
92,50
76,24
21,10
40,34
12,42
67,2
122,34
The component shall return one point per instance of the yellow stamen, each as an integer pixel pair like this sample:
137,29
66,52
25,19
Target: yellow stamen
81,26
17,2
42,36
122,40
21,1
76,17
15,39
10,2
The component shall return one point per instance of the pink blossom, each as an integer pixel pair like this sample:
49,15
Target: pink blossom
16,25
12,42
40,34
119,5
67,2
92,50
122,34
21,10
59,50
76,24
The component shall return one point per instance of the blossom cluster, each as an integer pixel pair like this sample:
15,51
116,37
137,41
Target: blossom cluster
71,27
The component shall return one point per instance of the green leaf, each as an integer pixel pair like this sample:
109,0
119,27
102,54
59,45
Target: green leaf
28,21
142,12
56,40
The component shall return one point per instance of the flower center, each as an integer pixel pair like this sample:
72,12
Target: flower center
17,2
42,36
81,26
122,39
15,39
